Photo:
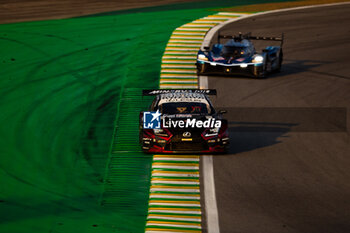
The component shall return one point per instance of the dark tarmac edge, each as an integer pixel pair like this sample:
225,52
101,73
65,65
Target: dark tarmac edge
34,10
285,180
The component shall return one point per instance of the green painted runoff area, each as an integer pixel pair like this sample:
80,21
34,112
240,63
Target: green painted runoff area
69,102
61,83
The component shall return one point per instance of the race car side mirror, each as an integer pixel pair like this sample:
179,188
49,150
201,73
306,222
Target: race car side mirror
222,111
141,117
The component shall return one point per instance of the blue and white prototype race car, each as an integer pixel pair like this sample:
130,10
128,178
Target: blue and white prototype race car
239,57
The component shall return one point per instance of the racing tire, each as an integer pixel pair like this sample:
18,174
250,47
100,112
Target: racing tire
201,68
262,74
280,60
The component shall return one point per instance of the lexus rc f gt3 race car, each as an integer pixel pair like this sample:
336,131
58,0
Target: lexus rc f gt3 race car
183,121
238,57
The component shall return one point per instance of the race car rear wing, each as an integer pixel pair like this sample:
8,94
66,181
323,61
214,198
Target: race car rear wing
165,91
248,36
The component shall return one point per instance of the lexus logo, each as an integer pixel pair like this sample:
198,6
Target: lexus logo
186,134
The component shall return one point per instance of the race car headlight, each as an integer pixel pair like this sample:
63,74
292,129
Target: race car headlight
258,59
211,132
202,57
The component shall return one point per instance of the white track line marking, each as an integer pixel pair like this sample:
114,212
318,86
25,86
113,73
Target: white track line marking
197,25
179,62
182,52
173,174
176,167
177,81
175,159
174,182
180,71
176,76
153,195
233,14
162,231
177,66
173,204
203,22
193,29
174,218
203,82
180,49
222,19
162,85
214,21
173,225
189,33
211,208
175,190
209,195
185,41
176,211
186,37
180,57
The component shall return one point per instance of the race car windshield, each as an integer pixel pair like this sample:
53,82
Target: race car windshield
233,51
183,108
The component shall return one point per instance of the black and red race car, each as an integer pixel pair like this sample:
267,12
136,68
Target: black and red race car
183,121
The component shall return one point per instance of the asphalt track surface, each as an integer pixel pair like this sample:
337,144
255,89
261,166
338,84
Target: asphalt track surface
276,179
30,10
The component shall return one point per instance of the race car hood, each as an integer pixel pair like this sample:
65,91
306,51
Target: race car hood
226,60
230,60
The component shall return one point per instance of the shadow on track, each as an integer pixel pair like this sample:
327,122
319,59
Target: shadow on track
289,67
247,136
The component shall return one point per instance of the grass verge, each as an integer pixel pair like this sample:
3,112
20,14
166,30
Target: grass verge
61,82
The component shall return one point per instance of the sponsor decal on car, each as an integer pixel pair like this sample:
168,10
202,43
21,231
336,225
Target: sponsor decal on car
152,120
191,123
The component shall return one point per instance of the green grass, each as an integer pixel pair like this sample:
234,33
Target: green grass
60,85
